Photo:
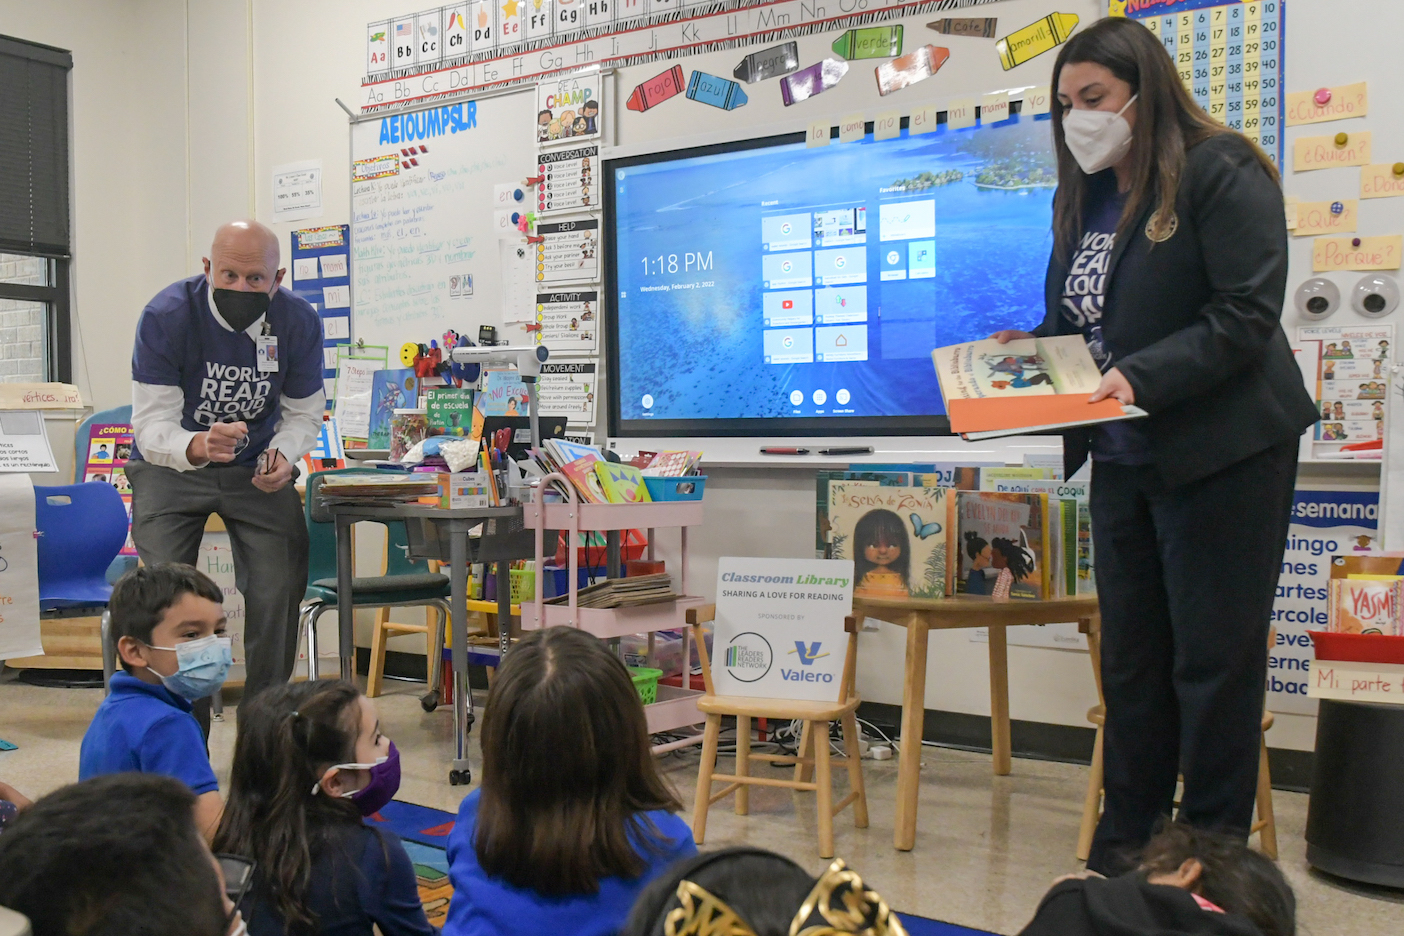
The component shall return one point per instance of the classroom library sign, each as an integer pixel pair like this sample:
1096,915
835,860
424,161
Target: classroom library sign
1229,56
471,46
1322,524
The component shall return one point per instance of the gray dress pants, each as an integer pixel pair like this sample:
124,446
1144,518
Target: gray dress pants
268,535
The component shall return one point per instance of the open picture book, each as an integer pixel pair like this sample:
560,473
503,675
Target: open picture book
1025,385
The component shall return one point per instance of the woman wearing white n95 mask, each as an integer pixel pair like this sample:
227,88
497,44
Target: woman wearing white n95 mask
1170,259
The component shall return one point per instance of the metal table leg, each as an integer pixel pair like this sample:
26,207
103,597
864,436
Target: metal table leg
460,773
345,611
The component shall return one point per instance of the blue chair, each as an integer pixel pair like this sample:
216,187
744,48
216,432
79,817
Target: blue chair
81,528
406,582
120,415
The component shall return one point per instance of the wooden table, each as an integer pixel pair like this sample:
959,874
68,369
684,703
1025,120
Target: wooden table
920,617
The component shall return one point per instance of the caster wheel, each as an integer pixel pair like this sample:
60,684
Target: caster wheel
429,701
460,777
468,722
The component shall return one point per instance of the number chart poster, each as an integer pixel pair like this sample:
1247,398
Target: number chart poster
1229,56
1323,524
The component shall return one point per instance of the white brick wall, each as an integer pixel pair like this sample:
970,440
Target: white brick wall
22,323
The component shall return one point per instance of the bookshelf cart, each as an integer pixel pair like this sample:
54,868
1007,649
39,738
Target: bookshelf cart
676,707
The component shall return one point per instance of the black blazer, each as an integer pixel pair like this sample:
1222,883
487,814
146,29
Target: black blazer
1194,322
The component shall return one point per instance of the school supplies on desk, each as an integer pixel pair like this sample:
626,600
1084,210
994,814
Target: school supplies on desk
1026,385
377,490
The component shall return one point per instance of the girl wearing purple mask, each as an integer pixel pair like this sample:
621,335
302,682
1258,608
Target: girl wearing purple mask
309,763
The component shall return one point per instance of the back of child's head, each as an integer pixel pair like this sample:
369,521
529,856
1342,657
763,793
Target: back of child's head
141,597
750,890
567,767
1234,877
115,855
288,735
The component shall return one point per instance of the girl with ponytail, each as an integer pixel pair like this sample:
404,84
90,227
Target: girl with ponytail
309,763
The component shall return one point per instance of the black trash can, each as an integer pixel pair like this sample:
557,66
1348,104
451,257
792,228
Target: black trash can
1355,822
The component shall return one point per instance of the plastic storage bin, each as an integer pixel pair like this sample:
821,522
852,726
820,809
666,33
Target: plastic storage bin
646,682
687,487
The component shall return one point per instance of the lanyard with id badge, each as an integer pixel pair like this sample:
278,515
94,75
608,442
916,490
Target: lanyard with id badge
266,351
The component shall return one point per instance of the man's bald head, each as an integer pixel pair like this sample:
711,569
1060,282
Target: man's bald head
244,256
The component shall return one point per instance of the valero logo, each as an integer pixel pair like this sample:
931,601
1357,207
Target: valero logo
748,657
809,654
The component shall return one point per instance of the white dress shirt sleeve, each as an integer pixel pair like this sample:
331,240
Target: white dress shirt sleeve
299,425
156,414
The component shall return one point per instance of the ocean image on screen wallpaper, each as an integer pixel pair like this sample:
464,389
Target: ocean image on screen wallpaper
814,282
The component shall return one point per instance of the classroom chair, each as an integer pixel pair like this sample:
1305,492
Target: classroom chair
813,755
81,528
1264,825
405,583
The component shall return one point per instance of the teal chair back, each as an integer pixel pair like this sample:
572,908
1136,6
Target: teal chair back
321,534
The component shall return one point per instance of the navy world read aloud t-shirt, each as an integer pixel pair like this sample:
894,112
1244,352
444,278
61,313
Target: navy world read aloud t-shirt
180,344
1084,299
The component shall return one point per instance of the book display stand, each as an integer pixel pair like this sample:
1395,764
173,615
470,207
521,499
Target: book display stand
675,707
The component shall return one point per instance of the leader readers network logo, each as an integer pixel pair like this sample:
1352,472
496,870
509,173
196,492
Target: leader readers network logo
748,657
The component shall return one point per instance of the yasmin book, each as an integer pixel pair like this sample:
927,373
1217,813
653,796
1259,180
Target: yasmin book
1362,606
622,484
896,537
1001,531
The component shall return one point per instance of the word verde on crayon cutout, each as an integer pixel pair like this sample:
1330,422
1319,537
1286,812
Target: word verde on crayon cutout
425,124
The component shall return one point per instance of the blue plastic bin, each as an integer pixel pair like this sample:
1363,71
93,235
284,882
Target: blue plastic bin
685,488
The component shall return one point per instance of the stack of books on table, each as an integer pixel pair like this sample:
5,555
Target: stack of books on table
377,490
624,592
596,480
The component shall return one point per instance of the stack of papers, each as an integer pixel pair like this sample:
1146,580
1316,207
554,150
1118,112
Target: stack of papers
376,490
624,593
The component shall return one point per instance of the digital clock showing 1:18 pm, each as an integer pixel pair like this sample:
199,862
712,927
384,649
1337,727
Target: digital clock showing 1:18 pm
688,262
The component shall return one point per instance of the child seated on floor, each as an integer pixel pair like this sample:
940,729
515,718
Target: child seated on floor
115,855
755,892
309,762
1189,881
572,819
167,621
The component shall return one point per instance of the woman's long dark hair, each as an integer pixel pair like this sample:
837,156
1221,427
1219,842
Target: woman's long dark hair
288,736
1168,122
880,528
567,768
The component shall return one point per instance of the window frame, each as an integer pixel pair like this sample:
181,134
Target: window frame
58,323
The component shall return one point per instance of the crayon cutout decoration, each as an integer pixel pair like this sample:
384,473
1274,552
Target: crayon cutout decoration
656,90
1035,39
718,92
981,27
917,65
816,79
873,42
768,63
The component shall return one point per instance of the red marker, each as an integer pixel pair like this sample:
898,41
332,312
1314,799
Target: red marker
657,89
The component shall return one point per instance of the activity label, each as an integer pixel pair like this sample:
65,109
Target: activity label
567,321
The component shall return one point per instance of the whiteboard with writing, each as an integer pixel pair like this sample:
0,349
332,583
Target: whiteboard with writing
422,217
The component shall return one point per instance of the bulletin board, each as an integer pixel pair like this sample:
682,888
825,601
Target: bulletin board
322,276
422,217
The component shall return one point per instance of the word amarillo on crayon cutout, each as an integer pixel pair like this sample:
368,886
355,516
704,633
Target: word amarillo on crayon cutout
1380,180
1323,152
1350,100
1319,218
1357,253
1035,39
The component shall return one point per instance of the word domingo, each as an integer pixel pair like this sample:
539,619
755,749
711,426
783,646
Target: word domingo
785,579
425,124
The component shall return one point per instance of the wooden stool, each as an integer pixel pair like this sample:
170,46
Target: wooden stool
814,743
1265,825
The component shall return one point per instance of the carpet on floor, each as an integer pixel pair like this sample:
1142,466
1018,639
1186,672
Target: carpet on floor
425,834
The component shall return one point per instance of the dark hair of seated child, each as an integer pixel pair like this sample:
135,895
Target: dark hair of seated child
1189,881
115,855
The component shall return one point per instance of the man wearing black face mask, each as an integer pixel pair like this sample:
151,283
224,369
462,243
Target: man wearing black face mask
227,396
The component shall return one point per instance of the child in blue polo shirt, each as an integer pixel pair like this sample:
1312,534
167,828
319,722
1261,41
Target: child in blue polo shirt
168,624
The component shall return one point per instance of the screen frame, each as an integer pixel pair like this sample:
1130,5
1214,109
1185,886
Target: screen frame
759,427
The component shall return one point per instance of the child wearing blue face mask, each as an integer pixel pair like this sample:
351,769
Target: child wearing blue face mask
168,624
309,763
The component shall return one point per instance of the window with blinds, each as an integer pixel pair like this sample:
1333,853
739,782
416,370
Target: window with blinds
34,212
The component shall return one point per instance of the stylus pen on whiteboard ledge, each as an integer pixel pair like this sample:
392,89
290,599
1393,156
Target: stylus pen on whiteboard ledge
848,450
784,451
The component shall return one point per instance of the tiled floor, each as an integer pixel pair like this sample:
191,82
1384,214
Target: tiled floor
986,849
